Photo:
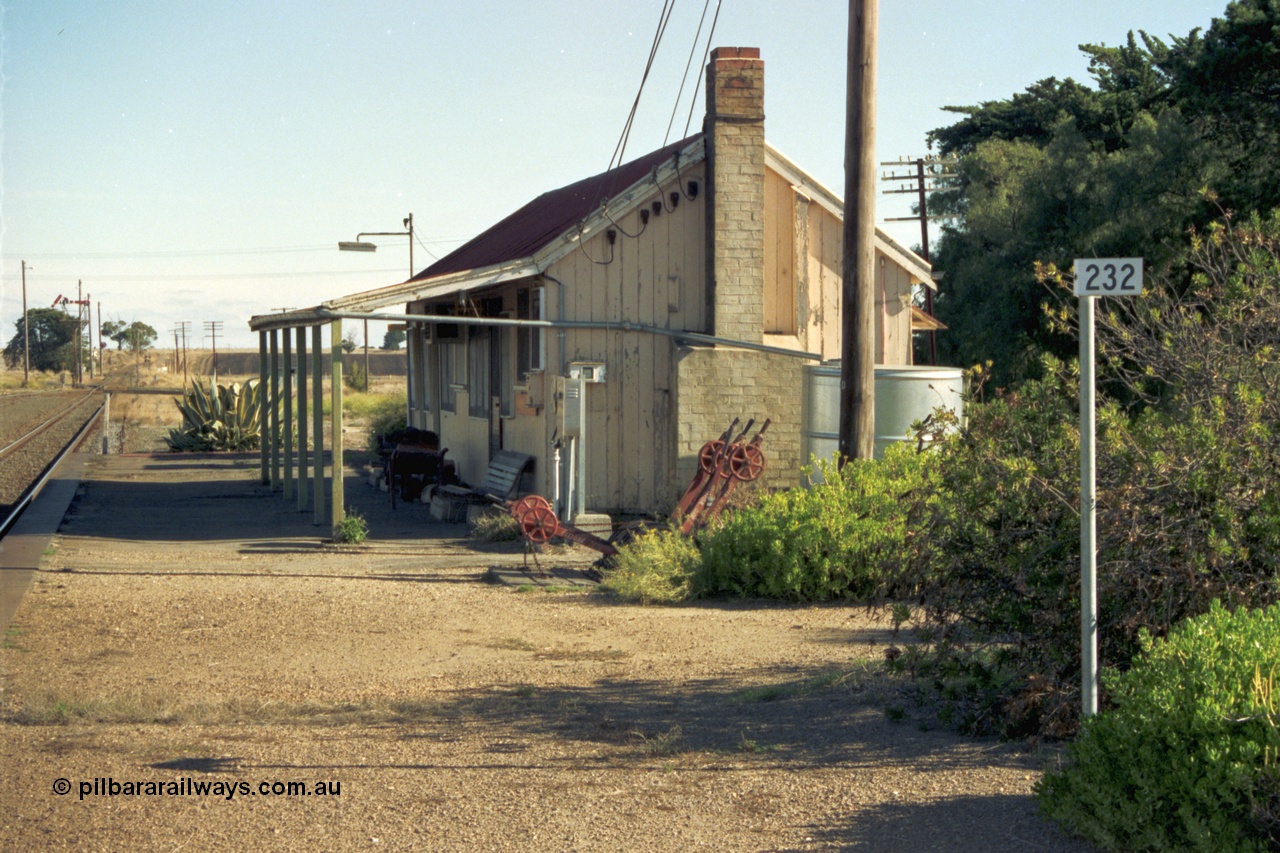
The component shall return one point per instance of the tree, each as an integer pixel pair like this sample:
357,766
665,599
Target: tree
393,339
52,340
115,330
139,336
1063,170
350,341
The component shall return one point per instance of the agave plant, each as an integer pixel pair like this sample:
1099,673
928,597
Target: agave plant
223,417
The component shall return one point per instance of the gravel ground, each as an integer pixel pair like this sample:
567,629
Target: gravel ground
21,413
192,629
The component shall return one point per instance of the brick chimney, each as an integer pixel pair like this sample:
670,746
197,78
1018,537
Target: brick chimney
734,129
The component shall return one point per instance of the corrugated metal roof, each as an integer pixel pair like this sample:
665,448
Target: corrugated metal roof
548,216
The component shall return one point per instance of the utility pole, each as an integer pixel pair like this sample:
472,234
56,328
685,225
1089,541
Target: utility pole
857,319
185,326
79,362
26,331
102,368
929,171
86,311
213,327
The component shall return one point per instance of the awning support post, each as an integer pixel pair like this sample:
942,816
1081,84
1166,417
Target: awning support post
335,394
317,426
264,451
304,488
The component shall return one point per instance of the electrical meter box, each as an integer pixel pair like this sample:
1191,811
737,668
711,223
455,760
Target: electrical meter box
587,371
575,409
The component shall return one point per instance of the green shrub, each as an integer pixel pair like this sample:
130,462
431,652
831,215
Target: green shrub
354,376
352,529
657,567
385,413
1189,756
840,539
1188,502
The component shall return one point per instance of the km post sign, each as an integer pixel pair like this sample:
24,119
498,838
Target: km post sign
1095,277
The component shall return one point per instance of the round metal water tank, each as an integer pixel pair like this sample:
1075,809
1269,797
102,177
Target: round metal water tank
903,394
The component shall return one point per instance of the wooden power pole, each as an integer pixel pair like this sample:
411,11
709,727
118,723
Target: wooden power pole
857,318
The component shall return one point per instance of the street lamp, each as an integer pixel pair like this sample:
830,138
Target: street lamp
359,245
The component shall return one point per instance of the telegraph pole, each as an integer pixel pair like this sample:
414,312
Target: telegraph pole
928,172
26,331
857,319
185,326
213,327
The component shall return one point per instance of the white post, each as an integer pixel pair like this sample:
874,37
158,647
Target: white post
106,424
1088,514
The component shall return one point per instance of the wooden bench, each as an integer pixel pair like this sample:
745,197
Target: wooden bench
501,484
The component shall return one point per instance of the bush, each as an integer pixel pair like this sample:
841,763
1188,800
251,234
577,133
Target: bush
1189,756
841,539
352,529
1188,502
385,413
657,567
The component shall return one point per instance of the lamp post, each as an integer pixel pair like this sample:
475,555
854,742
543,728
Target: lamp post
359,245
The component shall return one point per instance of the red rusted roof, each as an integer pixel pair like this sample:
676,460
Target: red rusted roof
547,217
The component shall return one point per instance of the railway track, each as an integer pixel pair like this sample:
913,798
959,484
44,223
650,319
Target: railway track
36,431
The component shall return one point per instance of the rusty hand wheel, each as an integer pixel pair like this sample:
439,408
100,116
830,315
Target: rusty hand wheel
540,524
724,464
526,505
707,455
746,462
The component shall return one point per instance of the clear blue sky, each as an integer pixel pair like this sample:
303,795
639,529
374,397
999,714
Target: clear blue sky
200,161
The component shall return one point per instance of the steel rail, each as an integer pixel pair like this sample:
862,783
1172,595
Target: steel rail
49,422
30,494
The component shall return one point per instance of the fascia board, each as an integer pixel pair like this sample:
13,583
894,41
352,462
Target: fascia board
641,192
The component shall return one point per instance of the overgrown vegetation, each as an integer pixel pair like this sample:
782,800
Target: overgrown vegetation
661,566
219,418
1188,758
352,529
385,413
1188,503
840,539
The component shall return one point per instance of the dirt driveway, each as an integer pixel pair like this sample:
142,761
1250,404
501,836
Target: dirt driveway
190,650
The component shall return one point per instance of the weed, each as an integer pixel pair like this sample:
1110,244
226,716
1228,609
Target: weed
750,745
664,744
352,530
660,566
496,527
10,639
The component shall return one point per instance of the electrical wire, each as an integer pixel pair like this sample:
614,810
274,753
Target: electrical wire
687,65
710,35
668,6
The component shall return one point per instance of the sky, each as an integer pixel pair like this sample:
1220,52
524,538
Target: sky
199,162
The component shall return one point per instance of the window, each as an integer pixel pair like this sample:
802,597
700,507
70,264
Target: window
530,349
478,365
447,360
